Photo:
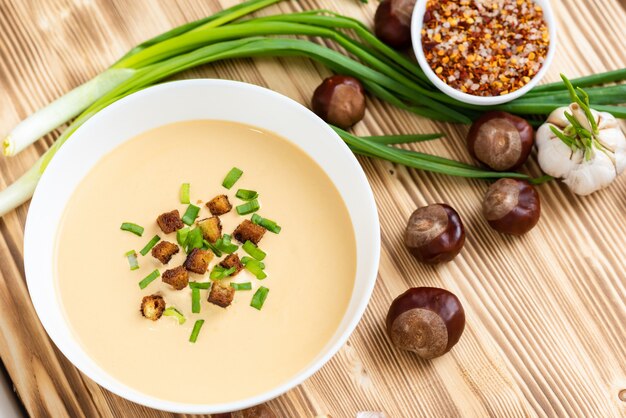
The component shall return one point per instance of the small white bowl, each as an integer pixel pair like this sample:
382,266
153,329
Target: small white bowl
417,21
174,102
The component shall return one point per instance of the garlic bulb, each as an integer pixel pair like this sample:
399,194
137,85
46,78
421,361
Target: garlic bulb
586,148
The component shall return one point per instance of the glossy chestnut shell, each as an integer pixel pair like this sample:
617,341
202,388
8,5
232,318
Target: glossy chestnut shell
512,206
426,320
500,140
339,100
392,22
434,234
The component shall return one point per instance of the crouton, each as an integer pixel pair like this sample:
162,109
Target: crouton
198,261
164,251
177,277
219,205
152,307
170,221
211,228
221,294
232,261
247,231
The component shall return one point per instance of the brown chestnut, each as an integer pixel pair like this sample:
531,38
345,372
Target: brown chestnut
500,140
392,22
512,206
434,234
426,320
339,100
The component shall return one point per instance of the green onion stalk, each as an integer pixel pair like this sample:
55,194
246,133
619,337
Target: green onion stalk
384,72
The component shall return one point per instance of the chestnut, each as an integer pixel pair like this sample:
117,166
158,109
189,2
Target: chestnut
500,140
339,100
392,22
434,234
512,206
426,320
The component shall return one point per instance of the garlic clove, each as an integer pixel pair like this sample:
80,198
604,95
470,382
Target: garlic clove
557,117
591,175
606,120
555,158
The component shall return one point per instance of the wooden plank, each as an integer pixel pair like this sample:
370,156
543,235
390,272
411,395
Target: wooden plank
546,313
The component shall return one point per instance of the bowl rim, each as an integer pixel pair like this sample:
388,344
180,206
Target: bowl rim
38,273
417,21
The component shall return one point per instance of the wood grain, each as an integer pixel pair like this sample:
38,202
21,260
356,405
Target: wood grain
546,315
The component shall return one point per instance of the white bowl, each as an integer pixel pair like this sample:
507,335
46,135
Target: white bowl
173,102
417,21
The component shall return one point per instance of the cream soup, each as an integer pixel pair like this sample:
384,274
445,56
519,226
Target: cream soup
241,351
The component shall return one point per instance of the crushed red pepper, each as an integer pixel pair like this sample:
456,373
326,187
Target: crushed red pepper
485,47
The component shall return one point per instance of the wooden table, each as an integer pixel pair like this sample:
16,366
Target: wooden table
546,327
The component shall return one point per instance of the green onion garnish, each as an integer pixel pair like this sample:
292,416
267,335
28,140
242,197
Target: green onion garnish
200,285
190,214
132,259
149,279
181,236
195,300
244,194
266,223
220,272
208,246
224,244
231,178
245,260
131,227
253,250
241,286
194,240
259,297
254,267
184,193
150,244
171,311
196,330
249,207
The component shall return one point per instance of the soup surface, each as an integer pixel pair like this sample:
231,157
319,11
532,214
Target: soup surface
241,351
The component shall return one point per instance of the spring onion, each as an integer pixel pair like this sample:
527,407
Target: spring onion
248,207
149,279
131,227
241,286
254,267
171,311
231,178
253,250
190,214
266,223
259,297
244,194
195,300
208,246
194,240
181,236
196,330
132,259
150,244
245,260
220,272
184,193
225,245
200,285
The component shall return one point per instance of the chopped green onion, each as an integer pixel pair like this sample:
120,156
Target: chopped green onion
181,236
132,259
194,240
184,193
224,244
200,285
207,245
195,300
266,223
131,227
244,194
220,272
254,267
241,286
253,250
231,178
245,260
149,279
150,244
190,214
196,330
249,207
259,297
171,311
